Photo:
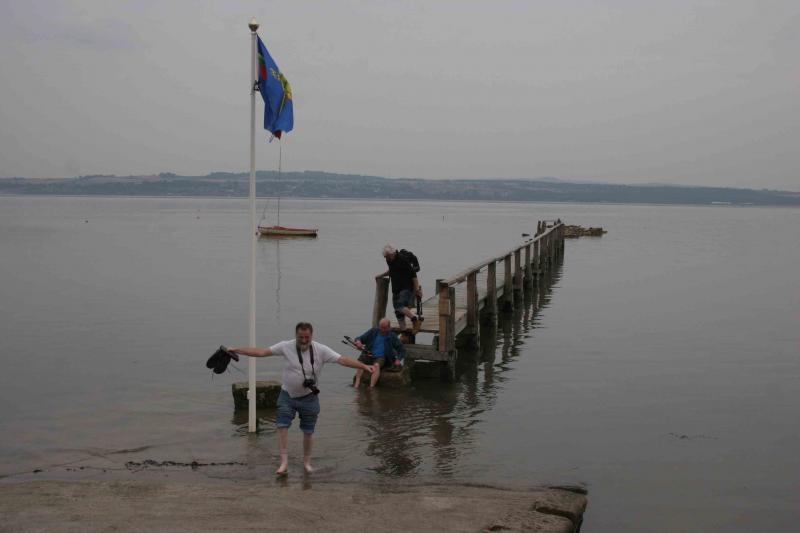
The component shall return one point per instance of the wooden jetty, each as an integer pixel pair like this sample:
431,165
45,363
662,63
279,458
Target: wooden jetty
476,294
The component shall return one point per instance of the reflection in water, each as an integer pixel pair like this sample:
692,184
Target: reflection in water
428,428
518,325
278,285
267,245
265,420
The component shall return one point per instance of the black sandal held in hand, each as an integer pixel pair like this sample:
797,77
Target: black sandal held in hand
219,361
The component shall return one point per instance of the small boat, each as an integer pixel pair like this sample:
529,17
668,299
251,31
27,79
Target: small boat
284,231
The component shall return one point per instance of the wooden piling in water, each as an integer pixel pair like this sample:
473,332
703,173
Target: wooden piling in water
528,274
381,300
472,304
444,314
491,288
508,295
517,271
449,370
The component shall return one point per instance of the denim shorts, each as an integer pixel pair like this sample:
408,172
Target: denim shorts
404,298
307,406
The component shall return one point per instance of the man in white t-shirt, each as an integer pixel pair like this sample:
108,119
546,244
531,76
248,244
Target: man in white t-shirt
303,366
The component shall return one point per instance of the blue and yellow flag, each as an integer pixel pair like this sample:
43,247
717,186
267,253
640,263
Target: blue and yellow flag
276,92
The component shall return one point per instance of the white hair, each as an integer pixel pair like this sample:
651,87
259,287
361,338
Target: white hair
388,250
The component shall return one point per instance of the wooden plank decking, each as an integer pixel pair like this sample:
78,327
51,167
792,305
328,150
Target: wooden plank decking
430,306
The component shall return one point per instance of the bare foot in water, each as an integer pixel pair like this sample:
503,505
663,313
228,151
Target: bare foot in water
308,468
282,470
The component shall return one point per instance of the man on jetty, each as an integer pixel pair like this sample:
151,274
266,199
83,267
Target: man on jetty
385,351
405,285
303,364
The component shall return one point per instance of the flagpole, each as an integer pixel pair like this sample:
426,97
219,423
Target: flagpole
251,392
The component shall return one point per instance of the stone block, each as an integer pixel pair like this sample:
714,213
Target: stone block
567,503
266,394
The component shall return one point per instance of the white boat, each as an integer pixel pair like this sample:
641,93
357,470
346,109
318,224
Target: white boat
284,231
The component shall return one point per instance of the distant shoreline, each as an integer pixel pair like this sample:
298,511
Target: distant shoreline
409,200
321,185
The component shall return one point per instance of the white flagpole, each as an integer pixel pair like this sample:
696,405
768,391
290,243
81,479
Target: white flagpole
251,392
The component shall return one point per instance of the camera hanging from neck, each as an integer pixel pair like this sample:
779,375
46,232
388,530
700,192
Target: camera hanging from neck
300,357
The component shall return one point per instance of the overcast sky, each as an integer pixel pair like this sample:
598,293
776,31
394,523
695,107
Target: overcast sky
698,93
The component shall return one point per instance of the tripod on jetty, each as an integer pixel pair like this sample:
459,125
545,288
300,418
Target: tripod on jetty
479,291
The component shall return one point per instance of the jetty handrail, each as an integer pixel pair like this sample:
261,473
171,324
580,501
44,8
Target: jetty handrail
514,277
498,284
462,276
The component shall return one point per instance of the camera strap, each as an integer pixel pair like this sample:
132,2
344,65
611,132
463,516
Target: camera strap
300,357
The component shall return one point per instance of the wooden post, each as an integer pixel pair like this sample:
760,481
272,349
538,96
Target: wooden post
451,322
444,313
558,238
472,302
491,289
449,373
381,299
546,258
543,254
517,270
527,269
536,261
508,296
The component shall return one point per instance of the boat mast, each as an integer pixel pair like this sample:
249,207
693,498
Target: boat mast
251,391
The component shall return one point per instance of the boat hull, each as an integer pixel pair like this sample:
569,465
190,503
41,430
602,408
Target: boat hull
284,231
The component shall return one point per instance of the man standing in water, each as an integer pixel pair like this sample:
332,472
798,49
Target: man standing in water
304,361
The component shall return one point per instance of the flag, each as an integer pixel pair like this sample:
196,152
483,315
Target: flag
276,92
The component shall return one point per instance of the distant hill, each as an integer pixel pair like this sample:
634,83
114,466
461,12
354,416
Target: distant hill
316,184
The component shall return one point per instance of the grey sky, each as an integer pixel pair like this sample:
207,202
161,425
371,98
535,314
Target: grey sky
703,93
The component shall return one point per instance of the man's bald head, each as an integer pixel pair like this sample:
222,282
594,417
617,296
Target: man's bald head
384,325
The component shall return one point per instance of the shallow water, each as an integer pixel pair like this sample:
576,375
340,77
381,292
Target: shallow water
658,365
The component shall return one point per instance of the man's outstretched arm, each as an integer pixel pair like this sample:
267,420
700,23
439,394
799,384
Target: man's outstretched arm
352,363
252,351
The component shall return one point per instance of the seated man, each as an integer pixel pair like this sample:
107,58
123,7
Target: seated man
385,349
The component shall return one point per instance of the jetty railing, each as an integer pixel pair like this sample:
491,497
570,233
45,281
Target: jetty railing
477,293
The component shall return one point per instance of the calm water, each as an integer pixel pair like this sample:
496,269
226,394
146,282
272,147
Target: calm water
659,365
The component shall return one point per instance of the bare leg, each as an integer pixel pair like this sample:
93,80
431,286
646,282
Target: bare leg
357,381
283,446
373,379
308,440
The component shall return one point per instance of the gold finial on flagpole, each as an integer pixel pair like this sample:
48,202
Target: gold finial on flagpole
253,24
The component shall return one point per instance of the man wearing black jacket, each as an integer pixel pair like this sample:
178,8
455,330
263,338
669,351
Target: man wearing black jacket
405,285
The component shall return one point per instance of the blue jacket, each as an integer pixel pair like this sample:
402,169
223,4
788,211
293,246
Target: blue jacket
393,348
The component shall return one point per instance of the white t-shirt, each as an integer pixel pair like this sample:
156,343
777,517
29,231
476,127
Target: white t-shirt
292,380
